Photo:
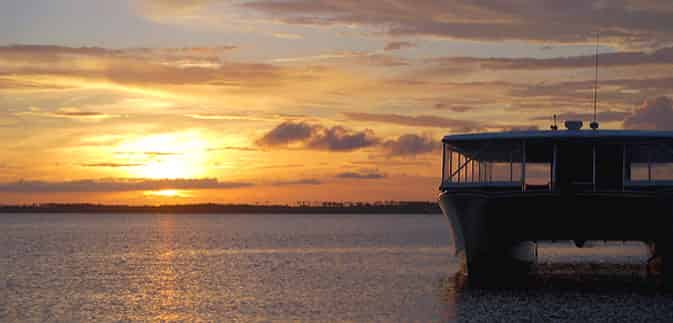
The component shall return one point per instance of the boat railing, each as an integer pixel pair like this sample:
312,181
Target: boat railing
502,184
648,183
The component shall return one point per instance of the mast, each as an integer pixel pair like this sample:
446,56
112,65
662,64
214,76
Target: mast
594,123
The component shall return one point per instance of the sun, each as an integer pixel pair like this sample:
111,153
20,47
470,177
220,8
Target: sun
166,156
167,193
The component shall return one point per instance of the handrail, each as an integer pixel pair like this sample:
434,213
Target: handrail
468,160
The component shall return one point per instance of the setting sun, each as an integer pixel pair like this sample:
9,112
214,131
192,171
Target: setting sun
178,155
167,193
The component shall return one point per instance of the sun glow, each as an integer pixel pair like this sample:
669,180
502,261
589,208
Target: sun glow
167,193
180,155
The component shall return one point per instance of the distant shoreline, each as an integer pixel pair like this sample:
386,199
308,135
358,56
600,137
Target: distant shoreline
325,208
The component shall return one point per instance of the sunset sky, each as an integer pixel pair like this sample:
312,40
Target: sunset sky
278,101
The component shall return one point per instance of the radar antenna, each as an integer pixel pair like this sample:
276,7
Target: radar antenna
594,123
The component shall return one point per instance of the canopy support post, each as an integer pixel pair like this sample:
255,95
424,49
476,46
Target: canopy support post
460,162
443,164
451,166
553,169
511,167
623,167
523,166
649,163
490,172
473,163
593,179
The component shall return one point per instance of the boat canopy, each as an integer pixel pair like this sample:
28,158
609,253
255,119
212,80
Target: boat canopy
643,146
558,159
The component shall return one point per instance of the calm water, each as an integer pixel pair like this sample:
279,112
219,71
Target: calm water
282,267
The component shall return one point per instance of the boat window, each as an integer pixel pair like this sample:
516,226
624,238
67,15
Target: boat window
539,160
483,163
649,163
537,174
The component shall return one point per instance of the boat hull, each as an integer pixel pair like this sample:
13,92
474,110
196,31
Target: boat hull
499,230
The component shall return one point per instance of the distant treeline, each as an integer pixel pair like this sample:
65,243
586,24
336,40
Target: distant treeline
326,207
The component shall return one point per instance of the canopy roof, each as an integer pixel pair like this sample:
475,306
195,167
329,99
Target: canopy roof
560,135
655,146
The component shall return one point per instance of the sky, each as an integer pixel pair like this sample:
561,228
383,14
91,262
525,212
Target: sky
286,101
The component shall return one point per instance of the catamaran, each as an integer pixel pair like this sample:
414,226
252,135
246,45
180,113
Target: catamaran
502,192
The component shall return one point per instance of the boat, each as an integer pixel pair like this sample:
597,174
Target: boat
503,192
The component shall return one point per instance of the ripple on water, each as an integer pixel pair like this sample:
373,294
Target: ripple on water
288,267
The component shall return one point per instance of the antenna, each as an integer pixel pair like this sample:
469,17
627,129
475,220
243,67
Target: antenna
594,123
554,126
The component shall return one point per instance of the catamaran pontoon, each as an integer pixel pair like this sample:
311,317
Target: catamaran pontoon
504,191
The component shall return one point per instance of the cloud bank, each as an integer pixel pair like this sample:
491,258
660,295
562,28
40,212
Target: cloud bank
361,175
623,22
654,114
416,121
337,138
410,145
117,185
318,137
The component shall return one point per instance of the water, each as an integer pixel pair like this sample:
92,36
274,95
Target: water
84,267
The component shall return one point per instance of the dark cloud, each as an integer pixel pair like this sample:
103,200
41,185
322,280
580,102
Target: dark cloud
286,133
653,114
315,136
578,93
410,145
662,56
361,175
549,21
117,185
416,121
397,45
342,139
306,181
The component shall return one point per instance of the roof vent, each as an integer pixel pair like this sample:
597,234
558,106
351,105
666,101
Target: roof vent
573,125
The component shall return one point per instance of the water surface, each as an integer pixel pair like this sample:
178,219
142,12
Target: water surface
86,267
